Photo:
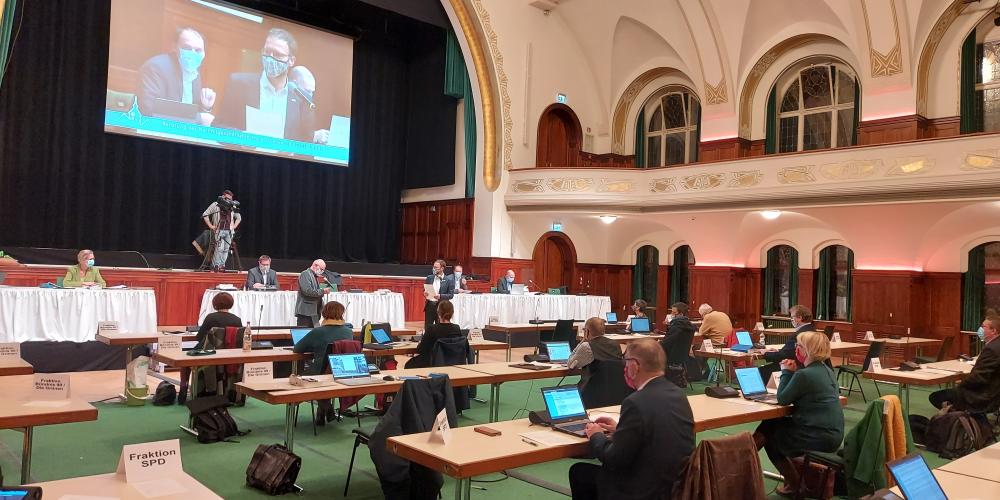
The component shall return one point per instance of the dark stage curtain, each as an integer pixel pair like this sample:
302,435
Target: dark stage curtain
65,183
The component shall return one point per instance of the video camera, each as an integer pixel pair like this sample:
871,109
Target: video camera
227,204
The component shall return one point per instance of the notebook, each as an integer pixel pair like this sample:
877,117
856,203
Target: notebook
639,325
743,341
565,407
753,387
612,317
558,351
298,334
351,369
915,479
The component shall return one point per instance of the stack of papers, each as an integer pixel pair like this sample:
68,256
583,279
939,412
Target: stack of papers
549,438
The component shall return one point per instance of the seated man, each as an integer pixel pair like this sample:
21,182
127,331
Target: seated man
644,452
262,276
715,325
980,391
595,346
802,319
505,282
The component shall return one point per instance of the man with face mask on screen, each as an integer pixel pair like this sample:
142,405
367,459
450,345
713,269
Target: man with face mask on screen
269,92
176,76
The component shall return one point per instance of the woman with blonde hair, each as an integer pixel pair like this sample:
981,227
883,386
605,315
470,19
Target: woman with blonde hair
84,273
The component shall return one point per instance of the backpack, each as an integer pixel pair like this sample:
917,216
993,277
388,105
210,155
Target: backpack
212,420
273,469
953,434
165,394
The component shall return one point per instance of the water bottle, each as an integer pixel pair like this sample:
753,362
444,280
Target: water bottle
247,338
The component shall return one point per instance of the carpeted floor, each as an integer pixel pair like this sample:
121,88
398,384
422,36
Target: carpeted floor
81,449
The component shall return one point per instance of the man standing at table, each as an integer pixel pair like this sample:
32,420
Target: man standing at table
980,390
443,288
262,277
506,282
314,283
642,454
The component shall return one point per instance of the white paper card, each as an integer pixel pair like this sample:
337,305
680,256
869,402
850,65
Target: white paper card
836,337
12,350
151,461
441,432
108,328
159,488
775,381
875,366
168,343
869,335
475,334
429,291
264,123
51,386
257,372
706,346
549,438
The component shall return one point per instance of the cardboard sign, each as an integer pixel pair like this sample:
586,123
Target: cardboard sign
775,381
475,334
170,343
10,350
706,345
441,432
836,337
151,461
875,366
258,372
869,335
108,328
51,386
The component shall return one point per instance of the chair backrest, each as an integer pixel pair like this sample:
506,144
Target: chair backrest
874,351
450,351
563,332
828,331
945,348
216,338
605,385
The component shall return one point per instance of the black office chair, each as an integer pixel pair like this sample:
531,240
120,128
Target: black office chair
312,403
606,384
941,354
874,351
828,331
563,332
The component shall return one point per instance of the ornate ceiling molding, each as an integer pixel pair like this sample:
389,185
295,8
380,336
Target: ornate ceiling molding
890,63
621,114
755,75
930,47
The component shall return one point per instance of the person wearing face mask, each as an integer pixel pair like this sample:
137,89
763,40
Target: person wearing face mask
643,453
314,283
817,424
458,277
262,277
444,289
802,321
505,283
270,91
84,273
177,77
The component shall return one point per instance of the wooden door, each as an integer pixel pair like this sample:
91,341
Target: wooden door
559,137
554,259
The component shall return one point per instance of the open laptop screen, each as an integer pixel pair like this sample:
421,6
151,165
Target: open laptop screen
915,479
563,402
298,334
348,365
558,351
743,338
640,324
612,317
750,381
380,336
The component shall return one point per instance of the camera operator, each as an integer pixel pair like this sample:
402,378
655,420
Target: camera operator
222,217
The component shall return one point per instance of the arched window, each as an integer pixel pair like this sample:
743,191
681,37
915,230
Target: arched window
781,280
680,274
833,283
981,285
672,116
647,261
814,105
980,79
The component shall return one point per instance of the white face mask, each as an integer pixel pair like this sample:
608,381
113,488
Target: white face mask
265,269
318,271
458,276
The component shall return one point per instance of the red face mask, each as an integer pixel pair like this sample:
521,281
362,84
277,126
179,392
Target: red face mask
629,380
800,356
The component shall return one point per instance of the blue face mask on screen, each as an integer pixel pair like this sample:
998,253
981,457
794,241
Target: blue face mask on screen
273,68
190,59
510,280
90,262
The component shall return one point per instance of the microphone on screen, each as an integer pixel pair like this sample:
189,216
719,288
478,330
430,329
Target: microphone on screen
305,96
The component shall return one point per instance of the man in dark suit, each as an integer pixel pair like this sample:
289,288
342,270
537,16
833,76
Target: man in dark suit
314,283
802,321
505,282
262,276
444,288
175,76
270,91
980,390
644,452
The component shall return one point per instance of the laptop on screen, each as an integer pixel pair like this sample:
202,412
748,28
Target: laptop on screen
743,341
753,387
298,334
915,479
565,407
639,325
558,351
351,369
612,317
379,335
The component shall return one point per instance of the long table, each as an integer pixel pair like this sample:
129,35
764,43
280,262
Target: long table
16,366
478,310
278,308
941,372
113,485
983,464
72,314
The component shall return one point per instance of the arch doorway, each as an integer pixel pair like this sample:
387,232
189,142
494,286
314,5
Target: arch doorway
559,137
554,259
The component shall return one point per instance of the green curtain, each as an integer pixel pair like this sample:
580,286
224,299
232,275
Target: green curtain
640,139
6,31
971,119
793,278
637,276
973,287
644,274
850,284
697,135
823,275
770,273
770,127
457,84
678,275
772,265
857,111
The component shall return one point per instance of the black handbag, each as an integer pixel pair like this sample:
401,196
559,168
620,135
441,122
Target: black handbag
273,469
165,394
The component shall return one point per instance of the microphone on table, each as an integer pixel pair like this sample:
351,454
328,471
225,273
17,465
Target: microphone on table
260,316
532,283
141,256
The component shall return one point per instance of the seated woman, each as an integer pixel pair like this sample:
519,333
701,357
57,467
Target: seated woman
331,329
84,273
595,347
818,421
222,303
444,328
638,311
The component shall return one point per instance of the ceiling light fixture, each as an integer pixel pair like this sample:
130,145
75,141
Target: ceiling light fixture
770,214
608,219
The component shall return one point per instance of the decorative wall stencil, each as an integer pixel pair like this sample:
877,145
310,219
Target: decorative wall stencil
621,113
716,94
702,181
910,166
796,175
570,184
857,169
745,178
752,87
891,62
664,185
508,122
613,186
527,186
981,160
930,47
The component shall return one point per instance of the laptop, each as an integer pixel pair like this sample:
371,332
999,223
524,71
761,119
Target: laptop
381,338
172,110
518,289
915,479
611,317
351,369
753,387
639,325
566,409
558,351
298,334
743,342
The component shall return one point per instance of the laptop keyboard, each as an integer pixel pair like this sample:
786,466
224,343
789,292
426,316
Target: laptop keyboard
574,427
359,381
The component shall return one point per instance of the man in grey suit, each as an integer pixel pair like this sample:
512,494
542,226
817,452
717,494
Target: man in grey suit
444,289
176,76
262,277
505,283
314,283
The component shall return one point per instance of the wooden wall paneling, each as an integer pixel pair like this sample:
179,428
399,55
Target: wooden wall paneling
437,230
723,149
662,293
615,281
490,269
711,285
605,160
807,289
896,129
948,126
942,307
745,297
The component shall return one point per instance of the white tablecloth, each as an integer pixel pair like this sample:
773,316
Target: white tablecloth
475,310
72,314
279,307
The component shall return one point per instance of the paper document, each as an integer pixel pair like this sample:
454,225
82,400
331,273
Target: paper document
429,291
264,123
550,438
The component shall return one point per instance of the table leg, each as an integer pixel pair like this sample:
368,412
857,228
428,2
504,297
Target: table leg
26,456
904,398
289,426
128,359
463,488
508,346
494,402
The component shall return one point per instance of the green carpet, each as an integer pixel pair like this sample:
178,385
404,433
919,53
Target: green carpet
71,450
